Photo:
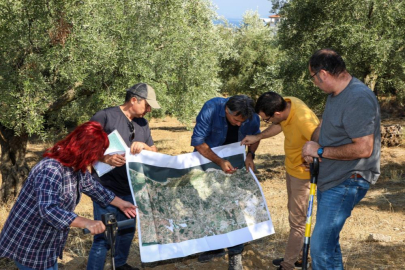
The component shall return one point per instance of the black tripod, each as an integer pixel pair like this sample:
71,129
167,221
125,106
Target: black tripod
110,233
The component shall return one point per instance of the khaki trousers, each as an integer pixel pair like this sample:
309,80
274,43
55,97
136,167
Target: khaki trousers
298,194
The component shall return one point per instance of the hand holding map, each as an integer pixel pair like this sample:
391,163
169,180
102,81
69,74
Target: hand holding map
117,146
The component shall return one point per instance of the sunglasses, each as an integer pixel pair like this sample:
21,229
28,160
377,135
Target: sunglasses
132,130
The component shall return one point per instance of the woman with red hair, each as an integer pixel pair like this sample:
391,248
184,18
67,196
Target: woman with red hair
37,227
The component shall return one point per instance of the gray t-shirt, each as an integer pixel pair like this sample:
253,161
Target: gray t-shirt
353,113
111,119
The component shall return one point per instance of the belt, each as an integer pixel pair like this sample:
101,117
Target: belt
356,175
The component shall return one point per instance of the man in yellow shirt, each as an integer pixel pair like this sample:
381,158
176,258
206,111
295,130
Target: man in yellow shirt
292,117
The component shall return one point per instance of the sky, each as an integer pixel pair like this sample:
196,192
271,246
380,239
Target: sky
236,8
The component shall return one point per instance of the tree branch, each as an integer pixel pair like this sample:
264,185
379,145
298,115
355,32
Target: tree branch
68,97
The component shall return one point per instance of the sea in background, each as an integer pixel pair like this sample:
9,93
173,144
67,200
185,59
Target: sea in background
233,21
236,22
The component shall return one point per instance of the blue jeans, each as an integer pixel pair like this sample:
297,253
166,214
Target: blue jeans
98,251
22,267
334,207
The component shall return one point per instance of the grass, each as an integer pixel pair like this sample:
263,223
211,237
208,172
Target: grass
380,212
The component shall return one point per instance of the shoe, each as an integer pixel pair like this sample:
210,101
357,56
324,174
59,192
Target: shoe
126,267
277,262
209,255
281,267
235,262
297,264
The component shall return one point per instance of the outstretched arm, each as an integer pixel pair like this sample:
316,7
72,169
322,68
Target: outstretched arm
126,207
267,133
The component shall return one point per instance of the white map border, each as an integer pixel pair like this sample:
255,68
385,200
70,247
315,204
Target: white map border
160,252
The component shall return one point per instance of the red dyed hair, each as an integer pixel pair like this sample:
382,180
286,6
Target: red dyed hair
83,146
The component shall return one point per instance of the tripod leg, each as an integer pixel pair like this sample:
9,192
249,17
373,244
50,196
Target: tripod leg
111,241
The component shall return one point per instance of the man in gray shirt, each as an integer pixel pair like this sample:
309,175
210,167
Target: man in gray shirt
347,143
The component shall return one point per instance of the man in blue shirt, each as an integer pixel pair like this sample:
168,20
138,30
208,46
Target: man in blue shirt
223,121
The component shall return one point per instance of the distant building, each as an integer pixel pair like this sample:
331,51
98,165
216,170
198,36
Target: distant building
265,20
273,20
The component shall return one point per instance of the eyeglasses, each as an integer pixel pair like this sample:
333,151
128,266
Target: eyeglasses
312,76
132,130
266,120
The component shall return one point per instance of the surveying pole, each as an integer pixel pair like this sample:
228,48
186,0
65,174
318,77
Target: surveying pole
314,169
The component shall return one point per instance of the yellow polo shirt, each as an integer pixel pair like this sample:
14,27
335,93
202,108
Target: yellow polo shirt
297,129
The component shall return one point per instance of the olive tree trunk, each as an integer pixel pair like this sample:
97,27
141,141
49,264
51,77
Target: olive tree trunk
13,167
370,80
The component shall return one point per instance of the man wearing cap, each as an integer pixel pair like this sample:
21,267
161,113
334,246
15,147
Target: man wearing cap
128,119
223,121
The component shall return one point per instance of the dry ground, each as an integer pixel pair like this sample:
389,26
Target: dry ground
381,212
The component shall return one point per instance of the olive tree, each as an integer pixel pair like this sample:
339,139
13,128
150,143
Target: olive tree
251,52
368,34
64,60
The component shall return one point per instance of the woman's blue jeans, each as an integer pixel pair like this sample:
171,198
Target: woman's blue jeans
98,251
334,207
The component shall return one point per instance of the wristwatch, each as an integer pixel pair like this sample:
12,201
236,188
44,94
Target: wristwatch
320,152
253,154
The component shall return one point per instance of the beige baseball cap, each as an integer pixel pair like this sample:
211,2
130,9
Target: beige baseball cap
145,91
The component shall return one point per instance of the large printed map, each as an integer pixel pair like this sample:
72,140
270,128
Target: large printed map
187,204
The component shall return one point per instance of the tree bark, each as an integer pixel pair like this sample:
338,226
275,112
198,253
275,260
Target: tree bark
371,80
13,167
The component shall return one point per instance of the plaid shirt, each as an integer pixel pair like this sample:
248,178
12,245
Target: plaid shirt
37,227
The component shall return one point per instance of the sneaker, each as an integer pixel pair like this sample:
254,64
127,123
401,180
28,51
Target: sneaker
297,264
235,262
209,255
126,267
277,262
